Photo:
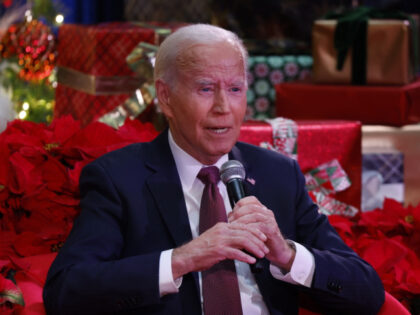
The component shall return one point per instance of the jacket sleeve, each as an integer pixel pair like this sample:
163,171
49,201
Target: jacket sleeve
343,282
89,276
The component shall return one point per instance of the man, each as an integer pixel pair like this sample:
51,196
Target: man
138,246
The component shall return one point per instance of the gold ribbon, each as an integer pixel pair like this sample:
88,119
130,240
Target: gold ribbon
98,85
142,60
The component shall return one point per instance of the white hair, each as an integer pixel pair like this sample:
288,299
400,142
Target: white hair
185,37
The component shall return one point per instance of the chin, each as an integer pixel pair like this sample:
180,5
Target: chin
221,150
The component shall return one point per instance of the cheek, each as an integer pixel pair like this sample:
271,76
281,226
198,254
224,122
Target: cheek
240,109
198,111
186,111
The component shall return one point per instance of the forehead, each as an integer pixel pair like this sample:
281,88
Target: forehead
224,57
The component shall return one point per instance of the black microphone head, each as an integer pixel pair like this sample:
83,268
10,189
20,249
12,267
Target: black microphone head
232,169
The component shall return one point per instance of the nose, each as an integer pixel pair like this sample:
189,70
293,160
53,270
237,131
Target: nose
221,102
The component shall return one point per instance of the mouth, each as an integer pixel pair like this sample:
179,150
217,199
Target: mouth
218,130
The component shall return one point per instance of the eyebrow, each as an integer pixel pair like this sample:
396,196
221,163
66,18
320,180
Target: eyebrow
209,82
204,81
237,83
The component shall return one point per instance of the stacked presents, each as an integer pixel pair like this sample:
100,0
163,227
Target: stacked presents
107,76
360,113
360,76
365,65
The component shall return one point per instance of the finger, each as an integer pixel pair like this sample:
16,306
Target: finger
254,229
248,241
225,234
263,222
238,236
257,228
249,209
237,254
247,200
223,241
249,217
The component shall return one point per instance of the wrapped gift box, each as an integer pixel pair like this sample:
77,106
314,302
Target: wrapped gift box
100,50
319,142
382,177
389,55
264,72
381,105
93,76
406,140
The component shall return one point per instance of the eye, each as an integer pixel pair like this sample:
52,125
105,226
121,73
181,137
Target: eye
236,89
206,89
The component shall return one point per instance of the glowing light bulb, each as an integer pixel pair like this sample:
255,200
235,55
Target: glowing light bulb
22,114
28,15
59,18
25,106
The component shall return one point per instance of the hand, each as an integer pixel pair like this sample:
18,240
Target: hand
249,211
222,241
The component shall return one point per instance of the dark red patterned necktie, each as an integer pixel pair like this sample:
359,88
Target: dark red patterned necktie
219,283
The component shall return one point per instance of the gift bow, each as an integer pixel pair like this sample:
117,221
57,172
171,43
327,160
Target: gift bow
351,32
142,61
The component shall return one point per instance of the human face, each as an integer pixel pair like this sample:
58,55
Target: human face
206,106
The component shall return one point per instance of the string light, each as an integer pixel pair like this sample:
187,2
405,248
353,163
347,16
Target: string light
28,15
22,114
25,106
59,19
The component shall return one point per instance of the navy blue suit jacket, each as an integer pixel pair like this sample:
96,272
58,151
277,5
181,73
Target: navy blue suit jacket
133,208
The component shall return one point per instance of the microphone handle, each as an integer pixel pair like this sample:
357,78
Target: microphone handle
235,189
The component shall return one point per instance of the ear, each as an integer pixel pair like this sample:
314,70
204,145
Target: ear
163,94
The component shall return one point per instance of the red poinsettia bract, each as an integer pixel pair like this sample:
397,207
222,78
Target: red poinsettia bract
389,239
39,176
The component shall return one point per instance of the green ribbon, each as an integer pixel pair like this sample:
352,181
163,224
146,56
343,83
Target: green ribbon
351,32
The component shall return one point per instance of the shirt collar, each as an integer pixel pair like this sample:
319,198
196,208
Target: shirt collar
187,166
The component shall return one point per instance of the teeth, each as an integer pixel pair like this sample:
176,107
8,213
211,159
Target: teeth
219,130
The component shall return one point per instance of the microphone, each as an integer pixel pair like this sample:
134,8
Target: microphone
232,174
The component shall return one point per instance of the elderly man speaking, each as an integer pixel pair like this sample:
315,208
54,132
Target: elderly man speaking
158,235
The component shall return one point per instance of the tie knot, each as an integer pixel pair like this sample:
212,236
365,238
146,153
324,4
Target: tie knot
209,175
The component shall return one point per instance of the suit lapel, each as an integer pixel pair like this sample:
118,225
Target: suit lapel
165,186
166,189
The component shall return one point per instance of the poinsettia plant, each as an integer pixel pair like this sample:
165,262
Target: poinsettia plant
39,175
389,239
11,298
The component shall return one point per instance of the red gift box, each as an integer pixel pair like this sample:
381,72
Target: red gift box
319,142
93,76
390,105
100,49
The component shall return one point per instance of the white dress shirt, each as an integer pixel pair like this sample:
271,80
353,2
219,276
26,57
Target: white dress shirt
303,266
